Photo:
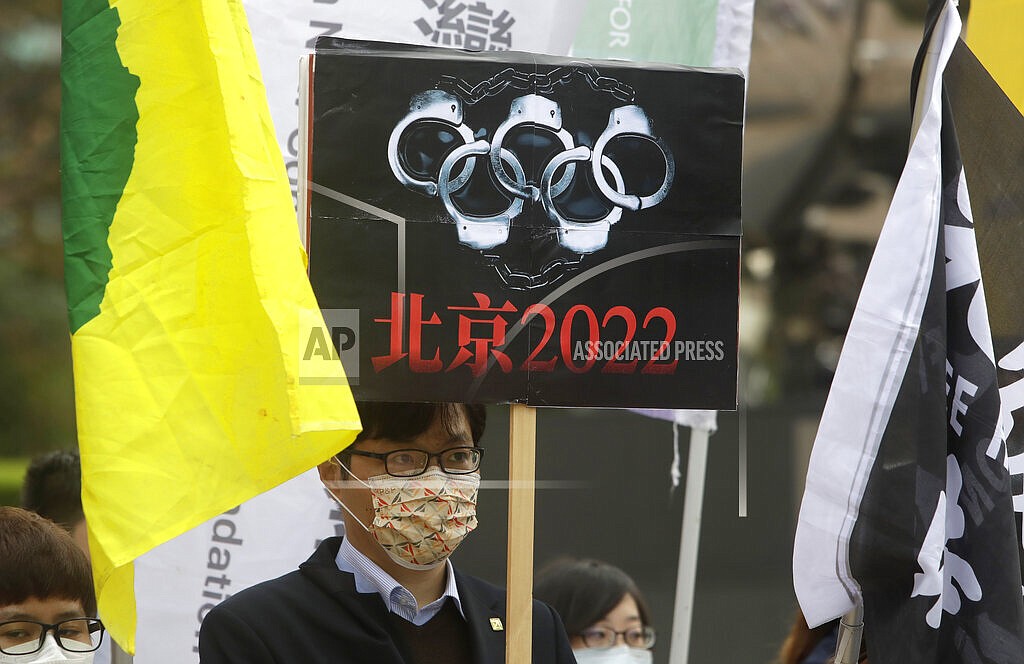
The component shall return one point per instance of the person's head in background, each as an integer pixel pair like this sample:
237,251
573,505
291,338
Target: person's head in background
53,489
47,600
605,615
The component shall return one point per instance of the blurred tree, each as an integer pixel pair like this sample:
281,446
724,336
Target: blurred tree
36,394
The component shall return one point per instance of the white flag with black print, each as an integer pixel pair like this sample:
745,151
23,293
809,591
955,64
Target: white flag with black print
907,508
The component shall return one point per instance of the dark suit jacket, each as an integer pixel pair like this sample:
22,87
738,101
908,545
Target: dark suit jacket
315,616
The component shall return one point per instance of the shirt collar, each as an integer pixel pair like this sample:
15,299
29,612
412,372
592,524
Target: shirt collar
370,578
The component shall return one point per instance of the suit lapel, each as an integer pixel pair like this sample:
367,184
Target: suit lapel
323,571
370,617
481,605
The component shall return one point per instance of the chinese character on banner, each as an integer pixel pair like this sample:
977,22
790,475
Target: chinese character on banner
482,346
472,26
417,363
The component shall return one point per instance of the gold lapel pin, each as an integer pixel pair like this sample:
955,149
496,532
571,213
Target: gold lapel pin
496,625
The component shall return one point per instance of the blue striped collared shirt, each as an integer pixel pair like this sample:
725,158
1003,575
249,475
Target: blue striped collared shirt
370,578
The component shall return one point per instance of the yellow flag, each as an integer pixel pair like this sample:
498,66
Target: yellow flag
994,31
188,299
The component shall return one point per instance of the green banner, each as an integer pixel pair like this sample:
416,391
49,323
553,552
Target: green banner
674,31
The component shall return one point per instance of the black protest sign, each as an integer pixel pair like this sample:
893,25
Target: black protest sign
518,228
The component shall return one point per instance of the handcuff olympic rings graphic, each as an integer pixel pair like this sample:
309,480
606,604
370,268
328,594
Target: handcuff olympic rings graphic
441,110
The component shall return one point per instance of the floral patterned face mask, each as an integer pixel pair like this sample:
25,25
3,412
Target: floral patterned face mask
419,521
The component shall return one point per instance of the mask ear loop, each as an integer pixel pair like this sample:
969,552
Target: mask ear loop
336,461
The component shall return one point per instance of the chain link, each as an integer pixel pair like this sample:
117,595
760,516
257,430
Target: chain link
537,82
517,280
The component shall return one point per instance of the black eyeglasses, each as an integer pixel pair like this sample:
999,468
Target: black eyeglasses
412,462
24,637
603,637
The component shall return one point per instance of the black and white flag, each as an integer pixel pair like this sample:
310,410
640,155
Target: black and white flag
908,508
991,131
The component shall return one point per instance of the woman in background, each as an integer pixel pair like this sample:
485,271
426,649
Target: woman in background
804,645
813,645
605,615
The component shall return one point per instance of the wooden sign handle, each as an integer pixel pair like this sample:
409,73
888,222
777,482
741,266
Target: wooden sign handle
522,456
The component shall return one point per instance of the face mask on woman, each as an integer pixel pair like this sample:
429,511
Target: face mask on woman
616,655
50,653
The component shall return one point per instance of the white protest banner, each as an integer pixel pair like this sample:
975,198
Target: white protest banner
178,583
284,32
717,35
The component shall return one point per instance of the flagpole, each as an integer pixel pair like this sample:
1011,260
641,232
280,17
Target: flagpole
686,575
521,473
118,656
851,628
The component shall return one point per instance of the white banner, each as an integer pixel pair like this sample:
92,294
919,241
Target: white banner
178,583
282,32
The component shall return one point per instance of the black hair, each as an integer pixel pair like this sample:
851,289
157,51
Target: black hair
39,559
405,421
584,591
53,488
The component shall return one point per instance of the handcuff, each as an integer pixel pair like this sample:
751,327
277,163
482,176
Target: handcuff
583,237
477,231
631,121
430,106
542,112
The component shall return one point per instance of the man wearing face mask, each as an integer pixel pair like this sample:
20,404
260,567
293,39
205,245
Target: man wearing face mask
387,593
47,602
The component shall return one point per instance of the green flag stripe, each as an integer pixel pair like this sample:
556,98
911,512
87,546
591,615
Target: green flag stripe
98,137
